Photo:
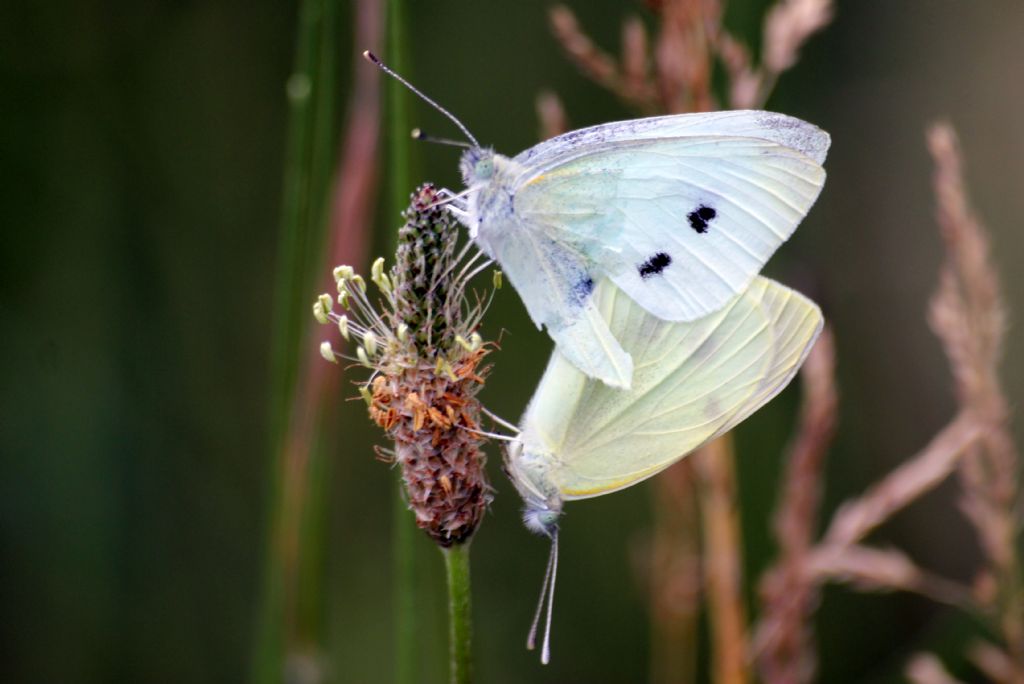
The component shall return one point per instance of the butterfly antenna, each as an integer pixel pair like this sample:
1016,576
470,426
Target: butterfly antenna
372,58
418,134
547,591
531,639
545,651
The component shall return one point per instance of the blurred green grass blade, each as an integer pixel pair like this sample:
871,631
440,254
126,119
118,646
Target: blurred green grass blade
399,187
309,159
404,551
291,605
400,172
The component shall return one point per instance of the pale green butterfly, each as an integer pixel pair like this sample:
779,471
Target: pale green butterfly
681,212
693,381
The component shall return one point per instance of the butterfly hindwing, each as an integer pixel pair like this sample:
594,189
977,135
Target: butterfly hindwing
692,382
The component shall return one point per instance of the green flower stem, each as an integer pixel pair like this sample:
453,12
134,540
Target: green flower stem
460,624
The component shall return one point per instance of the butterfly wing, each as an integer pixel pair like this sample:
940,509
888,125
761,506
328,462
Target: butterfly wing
781,129
681,212
692,382
555,284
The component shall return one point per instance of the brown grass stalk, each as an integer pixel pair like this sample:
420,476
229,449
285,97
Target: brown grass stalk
993,661
550,114
882,570
926,668
920,474
594,63
968,315
674,577
683,58
723,564
784,639
788,25
636,61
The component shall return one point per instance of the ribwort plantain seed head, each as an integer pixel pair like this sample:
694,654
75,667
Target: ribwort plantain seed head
421,342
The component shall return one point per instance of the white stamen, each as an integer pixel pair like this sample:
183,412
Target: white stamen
320,313
443,367
479,269
469,264
343,273
327,352
438,277
370,342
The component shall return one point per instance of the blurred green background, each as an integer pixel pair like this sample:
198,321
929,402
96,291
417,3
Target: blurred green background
140,188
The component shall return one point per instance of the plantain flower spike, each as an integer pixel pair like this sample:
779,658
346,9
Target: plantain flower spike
417,332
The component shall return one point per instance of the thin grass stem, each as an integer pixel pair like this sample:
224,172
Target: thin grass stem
290,611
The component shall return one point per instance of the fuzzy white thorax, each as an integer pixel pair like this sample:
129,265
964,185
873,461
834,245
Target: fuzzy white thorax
490,179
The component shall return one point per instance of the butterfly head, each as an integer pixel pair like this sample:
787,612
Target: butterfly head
528,468
541,519
477,165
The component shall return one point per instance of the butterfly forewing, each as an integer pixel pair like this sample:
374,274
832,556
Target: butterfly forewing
780,129
556,285
681,224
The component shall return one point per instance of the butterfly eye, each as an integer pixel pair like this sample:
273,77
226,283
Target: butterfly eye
548,518
484,169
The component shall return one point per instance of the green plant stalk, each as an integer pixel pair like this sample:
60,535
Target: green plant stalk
404,589
309,157
290,608
399,127
400,185
460,624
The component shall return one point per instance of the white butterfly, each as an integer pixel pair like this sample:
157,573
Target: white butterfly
681,212
693,381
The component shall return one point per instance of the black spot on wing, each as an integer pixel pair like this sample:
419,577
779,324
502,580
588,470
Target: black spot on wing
654,265
700,217
581,291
